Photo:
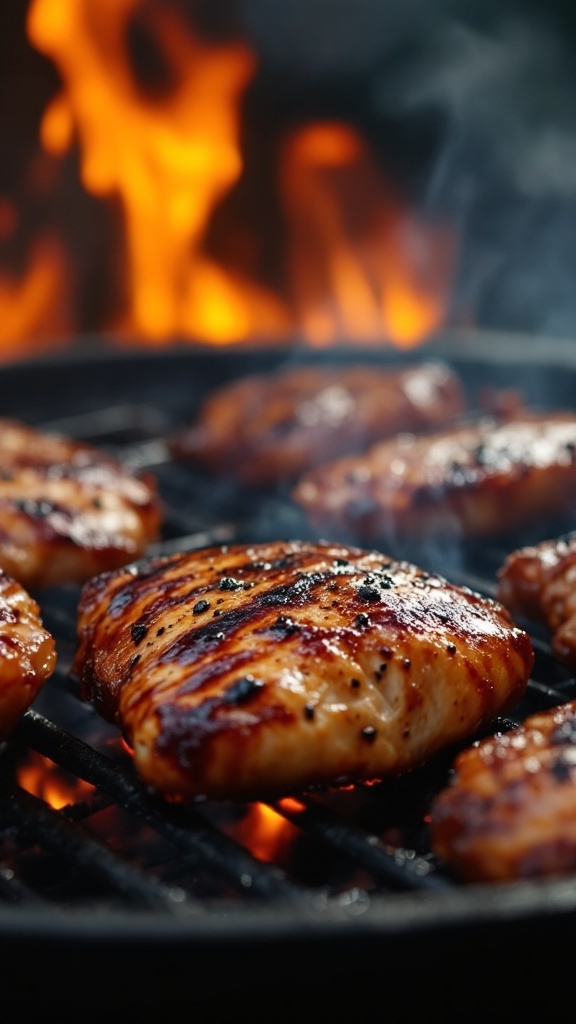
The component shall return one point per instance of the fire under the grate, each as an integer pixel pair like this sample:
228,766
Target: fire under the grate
86,848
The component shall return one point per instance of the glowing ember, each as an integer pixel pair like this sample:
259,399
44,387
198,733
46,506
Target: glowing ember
39,776
164,156
264,832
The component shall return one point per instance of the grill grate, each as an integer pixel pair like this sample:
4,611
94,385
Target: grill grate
377,834
117,864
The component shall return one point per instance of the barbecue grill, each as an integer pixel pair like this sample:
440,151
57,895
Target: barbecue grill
119,906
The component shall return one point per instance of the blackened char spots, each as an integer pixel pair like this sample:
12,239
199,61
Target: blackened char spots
186,648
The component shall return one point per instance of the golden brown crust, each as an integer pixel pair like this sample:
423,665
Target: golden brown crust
263,670
477,480
27,653
271,427
510,809
67,509
539,582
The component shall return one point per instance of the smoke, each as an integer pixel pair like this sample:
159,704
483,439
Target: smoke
503,98
472,103
510,91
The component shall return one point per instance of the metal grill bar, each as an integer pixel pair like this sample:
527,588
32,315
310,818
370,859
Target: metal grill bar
198,841
36,823
184,827
397,868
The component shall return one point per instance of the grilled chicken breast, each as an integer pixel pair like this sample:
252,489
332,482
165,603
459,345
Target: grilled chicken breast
68,510
251,671
27,652
509,811
270,427
539,582
476,480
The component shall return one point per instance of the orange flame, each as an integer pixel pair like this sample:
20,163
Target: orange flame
41,777
168,162
359,266
265,832
32,305
362,266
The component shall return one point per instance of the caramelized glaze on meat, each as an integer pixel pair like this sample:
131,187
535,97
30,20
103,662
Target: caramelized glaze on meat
68,510
270,427
509,811
539,582
27,652
262,670
478,480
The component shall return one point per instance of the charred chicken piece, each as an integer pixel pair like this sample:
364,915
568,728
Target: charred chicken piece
477,480
270,427
27,653
68,510
509,811
247,672
539,582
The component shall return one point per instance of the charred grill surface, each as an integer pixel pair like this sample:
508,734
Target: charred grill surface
263,887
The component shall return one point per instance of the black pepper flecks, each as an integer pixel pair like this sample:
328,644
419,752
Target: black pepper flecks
355,683
138,631
216,637
229,583
201,606
286,625
309,712
243,689
451,648
369,594
362,620
368,733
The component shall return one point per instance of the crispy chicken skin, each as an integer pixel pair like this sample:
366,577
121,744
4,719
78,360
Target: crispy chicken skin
27,652
509,811
68,510
251,671
477,480
539,582
270,427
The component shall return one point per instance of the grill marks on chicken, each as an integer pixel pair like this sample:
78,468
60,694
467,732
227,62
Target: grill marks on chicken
68,510
27,652
478,480
270,427
264,670
510,809
539,582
